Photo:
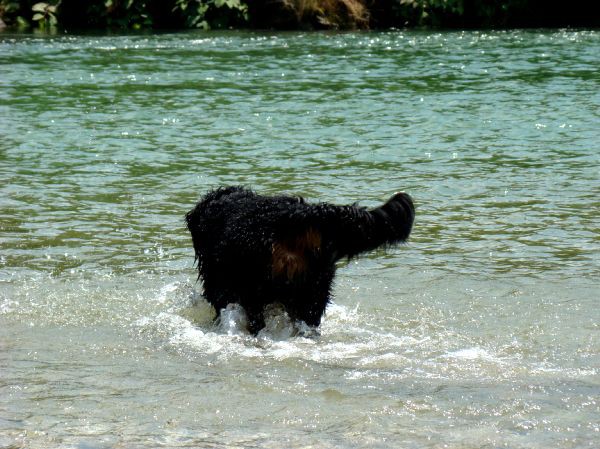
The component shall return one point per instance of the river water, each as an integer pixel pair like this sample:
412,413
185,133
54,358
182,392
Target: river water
482,332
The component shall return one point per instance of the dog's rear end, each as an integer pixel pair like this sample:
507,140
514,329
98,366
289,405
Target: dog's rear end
255,250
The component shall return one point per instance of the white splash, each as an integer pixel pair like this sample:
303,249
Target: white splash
233,320
474,353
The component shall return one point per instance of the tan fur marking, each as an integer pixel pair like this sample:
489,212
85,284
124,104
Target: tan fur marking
290,255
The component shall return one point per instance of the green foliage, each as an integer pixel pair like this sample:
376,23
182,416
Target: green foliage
130,14
207,14
342,14
44,15
459,13
125,14
9,8
20,13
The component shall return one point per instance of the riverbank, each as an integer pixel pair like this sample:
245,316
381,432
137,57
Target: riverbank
73,15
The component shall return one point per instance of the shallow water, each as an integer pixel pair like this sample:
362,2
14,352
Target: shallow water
483,331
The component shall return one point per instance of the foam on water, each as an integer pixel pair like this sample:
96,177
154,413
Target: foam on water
345,339
472,354
174,315
420,368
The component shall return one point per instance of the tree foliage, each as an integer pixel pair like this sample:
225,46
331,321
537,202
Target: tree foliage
127,14
294,14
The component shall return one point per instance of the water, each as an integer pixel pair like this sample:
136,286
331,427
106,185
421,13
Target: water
483,332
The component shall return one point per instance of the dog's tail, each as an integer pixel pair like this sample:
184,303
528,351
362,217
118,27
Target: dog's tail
357,230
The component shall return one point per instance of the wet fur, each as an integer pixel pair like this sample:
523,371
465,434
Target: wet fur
256,250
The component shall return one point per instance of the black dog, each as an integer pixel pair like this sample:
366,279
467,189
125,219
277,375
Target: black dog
255,250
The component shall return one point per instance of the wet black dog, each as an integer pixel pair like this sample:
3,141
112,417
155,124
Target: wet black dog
255,250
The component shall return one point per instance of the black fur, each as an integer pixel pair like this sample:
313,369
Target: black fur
256,250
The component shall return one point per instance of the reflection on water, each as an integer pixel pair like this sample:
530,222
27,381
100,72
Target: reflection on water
482,331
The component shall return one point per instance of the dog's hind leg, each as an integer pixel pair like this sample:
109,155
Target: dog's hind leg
256,319
308,298
220,298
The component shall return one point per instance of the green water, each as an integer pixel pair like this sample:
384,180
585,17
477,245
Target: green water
482,332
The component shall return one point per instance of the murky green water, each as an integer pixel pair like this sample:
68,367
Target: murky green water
483,332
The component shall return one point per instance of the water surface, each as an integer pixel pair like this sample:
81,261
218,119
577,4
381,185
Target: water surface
481,332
